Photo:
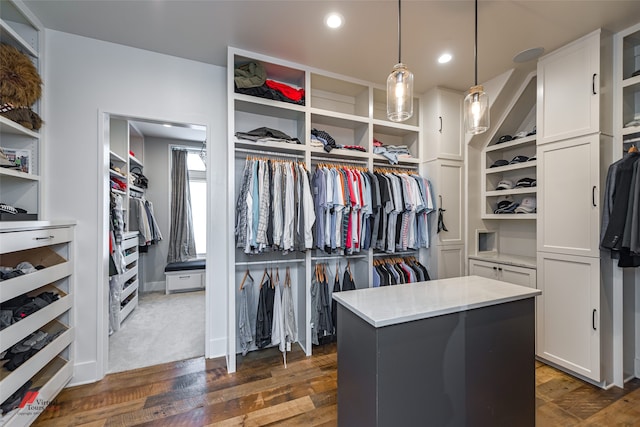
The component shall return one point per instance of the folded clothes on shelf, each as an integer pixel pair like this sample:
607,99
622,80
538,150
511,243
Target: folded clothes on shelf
391,152
265,134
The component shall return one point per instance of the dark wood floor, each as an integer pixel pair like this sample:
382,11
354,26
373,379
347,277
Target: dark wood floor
199,392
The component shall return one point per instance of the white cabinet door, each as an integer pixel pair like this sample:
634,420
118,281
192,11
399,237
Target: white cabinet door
483,269
569,90
507,273
568,312
568,197
517,275
450,261
443,124
447,179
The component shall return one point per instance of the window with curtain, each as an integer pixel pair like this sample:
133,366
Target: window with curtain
198,190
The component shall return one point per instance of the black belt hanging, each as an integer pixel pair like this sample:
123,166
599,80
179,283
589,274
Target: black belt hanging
441,225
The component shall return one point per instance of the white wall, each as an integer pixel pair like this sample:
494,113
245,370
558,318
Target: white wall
84,77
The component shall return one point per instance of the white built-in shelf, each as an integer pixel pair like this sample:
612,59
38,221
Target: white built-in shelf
520,142
516,166
115,156
134,161
9,36
498,193
114,173
632,81
19,174
630,130
9,126
270,146
513,216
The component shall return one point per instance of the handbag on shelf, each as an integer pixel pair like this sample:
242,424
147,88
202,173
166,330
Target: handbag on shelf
140,180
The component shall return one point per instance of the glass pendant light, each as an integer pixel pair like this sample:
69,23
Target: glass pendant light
399,86
476,103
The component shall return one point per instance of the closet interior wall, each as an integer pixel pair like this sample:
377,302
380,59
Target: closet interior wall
352,112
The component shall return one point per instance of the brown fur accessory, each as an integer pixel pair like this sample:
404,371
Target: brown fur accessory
20,83
24,116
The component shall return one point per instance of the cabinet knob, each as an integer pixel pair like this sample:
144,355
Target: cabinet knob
43,238
593,84
495,268
593,196
593,320
499,268
440,130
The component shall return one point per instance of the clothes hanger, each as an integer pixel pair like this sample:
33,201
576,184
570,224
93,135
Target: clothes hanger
263,276
246,273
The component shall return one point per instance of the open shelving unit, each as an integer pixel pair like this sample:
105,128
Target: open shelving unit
353,112
22,189
50,245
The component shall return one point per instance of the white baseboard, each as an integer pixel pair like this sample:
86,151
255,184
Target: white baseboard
216,348
84,373
154,286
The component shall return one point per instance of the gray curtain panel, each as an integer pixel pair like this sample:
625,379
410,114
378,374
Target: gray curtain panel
182,244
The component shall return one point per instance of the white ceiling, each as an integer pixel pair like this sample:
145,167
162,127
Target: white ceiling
366,46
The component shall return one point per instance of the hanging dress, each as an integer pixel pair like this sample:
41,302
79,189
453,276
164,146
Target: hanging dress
334,303
264,316
277,327
244,322
289,315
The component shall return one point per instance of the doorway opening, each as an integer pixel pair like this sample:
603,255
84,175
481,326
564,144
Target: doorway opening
146,320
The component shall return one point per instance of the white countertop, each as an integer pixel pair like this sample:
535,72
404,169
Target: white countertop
9,226
509,259
390,305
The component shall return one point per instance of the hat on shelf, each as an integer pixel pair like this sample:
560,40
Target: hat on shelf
504,138
518,159
520,134
528,205
526,182
505,204
505,184
500,162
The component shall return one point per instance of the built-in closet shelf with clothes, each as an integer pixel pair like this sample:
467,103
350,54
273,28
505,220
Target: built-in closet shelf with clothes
509,163
38,327
132,223
283,113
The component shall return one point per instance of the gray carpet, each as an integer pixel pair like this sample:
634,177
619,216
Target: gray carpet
163,328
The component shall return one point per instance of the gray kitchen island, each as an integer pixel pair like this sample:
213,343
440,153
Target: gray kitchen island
451,352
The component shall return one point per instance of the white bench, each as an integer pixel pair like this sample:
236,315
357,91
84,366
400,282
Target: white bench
185,275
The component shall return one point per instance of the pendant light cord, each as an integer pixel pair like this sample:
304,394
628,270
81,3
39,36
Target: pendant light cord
475,47
400,33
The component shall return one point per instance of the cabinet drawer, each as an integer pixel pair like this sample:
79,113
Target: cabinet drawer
11,381
130,242
21,240
22,328
182,281
128,259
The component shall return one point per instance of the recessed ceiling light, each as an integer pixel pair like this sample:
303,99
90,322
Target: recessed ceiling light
444,58
528,55
334,20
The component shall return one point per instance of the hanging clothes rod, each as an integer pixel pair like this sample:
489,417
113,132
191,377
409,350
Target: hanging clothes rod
268,262
396,254
335,160
398,166
340,257
268,153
